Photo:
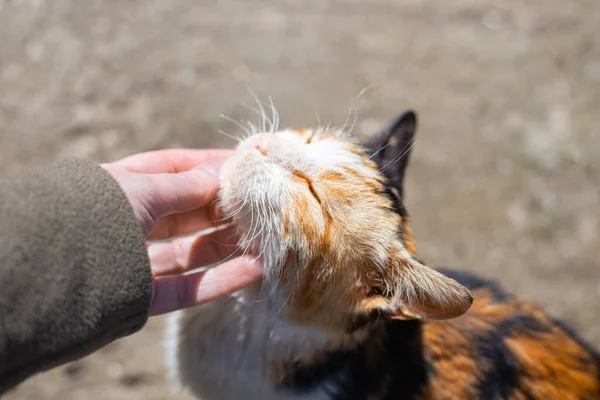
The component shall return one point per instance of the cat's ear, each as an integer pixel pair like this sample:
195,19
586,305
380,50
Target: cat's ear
420,293
425,294
394,147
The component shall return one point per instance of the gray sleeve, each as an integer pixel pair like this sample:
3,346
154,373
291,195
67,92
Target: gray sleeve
74,270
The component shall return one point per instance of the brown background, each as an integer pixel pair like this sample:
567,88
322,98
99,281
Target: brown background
505,178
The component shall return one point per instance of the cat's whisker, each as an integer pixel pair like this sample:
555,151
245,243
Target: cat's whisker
246,248
237,139
236,212
271,293
250,127
263,115
363,91
266,217
229,257
284,304
237,123
354,122
397,158
247,242
232,214
264,283
274,116
244,241
353,110
256,231
378,151
347,118
240,208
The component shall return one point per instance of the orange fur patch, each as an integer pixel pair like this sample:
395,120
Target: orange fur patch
557,356
408,238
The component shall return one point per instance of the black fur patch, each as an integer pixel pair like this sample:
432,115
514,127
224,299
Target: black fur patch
346,375
500,368
397,204
363,321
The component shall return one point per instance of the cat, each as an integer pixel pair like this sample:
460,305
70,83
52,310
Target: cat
346,310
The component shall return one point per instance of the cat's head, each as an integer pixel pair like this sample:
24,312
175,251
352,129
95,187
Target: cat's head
326,216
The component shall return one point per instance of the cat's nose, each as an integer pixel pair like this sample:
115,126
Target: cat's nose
263,142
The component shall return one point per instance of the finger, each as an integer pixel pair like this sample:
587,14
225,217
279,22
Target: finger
184,254
175,292
172,160
187,223
183,192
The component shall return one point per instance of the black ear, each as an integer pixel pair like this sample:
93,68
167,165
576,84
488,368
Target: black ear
393,148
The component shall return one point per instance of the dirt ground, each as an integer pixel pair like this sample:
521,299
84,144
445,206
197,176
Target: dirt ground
505,177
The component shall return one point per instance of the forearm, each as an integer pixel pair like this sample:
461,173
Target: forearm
74,271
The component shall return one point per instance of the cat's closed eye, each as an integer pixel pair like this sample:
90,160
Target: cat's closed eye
376,291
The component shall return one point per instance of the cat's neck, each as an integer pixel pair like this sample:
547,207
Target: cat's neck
277,359
352,365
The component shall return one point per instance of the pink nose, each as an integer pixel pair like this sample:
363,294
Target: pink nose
263,142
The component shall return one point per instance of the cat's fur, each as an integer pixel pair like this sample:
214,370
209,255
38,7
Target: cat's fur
346,310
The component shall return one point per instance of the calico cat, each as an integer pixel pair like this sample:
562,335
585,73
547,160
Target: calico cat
346,310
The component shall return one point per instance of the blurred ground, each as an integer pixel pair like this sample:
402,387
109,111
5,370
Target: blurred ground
505,178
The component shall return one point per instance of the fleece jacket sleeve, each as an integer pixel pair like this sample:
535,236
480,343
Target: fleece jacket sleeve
74,270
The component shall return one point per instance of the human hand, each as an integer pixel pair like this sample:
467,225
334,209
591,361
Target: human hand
173,193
